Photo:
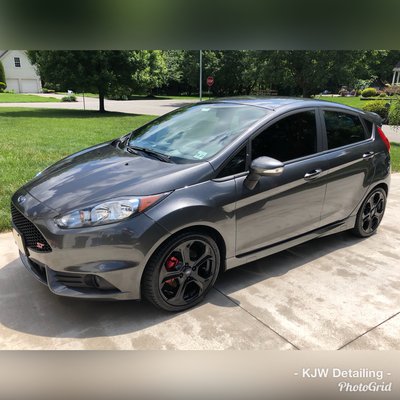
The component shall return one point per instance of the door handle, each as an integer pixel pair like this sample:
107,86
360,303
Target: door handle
369,155
312,174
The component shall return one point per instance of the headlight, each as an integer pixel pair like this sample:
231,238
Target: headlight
107,212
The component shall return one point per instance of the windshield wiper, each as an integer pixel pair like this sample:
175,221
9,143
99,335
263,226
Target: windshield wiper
156,154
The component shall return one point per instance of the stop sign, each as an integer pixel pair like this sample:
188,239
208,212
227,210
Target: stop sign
210,81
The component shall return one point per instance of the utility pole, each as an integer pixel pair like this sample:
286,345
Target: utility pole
201,76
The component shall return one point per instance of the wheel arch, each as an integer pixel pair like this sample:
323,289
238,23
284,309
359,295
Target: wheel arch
203,229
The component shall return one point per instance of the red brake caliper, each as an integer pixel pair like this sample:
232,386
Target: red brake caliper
170,265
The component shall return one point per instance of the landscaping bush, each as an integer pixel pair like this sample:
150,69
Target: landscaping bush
45,90
394,113
69,98
377,106
2,73
369,92
2,87
382,94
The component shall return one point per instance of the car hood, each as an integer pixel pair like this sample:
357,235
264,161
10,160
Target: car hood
104,172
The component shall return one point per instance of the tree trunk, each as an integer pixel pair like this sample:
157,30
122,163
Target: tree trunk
101,103
306,92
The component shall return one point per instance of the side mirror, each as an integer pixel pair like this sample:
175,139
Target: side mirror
262,166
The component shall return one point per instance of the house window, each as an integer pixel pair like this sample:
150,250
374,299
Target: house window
17,62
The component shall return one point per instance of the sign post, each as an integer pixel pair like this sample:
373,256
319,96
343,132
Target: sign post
201,76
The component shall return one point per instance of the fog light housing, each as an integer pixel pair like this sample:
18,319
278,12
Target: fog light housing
98,282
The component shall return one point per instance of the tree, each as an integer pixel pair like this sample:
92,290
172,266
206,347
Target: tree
97,71
2,73
149,70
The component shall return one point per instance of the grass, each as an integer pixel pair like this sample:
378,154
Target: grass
395,156
25,98
351,101
32,139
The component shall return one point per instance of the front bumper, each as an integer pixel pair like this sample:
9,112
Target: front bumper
104,262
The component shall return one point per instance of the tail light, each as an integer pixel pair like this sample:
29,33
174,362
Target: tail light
383,137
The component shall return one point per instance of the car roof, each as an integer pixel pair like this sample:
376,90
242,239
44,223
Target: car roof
276,103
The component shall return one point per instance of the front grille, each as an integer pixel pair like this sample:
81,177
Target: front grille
33,238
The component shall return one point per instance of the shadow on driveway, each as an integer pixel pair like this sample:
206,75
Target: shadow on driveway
29,307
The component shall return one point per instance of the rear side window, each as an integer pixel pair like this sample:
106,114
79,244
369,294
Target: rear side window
343,129
292,137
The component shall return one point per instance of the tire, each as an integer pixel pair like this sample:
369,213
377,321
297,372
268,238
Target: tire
181,272
370,214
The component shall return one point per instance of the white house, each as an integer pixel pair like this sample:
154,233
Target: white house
396,72
21,75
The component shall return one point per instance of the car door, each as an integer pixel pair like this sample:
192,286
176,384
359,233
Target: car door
350,168
288,205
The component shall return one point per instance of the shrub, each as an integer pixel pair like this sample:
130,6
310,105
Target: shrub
9,91
377,106
69,98
45,90
2,86
382,94
2,73
394,113
369,92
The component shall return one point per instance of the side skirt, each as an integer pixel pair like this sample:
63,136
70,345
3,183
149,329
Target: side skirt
330,229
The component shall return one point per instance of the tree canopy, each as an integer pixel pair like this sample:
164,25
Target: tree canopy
120,74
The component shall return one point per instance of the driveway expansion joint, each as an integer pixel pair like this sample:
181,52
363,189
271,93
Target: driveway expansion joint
369,330
256,318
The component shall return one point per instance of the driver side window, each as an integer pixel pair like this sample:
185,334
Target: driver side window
292,137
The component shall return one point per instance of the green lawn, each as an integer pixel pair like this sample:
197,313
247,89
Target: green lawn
348,101
25,98
32,139
395,156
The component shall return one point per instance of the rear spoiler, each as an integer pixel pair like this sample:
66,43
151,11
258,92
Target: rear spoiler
374,117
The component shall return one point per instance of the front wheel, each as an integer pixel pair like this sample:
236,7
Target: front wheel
370,214
181,272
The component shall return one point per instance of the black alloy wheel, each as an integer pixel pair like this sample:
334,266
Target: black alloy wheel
181,272
371,213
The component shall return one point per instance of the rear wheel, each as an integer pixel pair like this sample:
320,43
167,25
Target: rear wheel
181,272
370,214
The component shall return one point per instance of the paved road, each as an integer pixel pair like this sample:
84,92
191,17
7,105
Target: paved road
149,107
337,292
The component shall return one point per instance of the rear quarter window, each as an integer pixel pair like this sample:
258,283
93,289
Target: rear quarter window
343,129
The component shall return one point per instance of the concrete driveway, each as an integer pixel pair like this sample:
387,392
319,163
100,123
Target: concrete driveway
337,292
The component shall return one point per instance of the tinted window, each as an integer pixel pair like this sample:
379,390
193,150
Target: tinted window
236,165
342,129
292,137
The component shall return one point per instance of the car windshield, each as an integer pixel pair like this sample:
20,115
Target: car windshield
196,133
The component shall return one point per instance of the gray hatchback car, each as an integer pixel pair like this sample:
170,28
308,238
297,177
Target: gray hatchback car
161,211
